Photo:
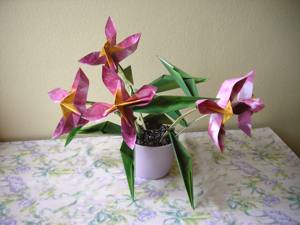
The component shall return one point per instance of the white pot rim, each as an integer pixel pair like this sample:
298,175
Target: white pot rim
154,147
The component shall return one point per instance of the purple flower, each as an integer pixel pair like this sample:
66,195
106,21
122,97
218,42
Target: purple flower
279,217
222,110
22,169
246,168
26,202
271,182
146,214
112,53
152,193
72,103
270,200
16,184
8,221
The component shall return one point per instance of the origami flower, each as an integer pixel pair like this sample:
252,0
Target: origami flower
111,53
123,103
222,110
246,105
72,104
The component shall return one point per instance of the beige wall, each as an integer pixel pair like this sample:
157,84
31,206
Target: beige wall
42,40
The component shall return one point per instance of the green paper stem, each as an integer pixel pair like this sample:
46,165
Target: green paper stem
191,123
177,121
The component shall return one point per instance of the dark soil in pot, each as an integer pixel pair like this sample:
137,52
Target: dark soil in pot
152,135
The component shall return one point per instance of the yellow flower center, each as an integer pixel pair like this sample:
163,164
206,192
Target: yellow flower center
67,105
108,50
227,112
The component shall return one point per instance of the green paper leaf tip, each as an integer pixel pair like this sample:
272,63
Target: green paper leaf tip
127,155
184,161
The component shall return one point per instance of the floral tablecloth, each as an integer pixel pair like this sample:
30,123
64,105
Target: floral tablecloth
255,181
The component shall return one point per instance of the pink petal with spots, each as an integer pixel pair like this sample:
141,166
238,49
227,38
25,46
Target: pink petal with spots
111,79
206,106
93,59
110,31
255,104
128,45
66,125
57,94
128,128
97,111
229,89
80,86
244,120
216,130
144,95
247,90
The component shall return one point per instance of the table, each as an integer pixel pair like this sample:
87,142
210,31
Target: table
255,181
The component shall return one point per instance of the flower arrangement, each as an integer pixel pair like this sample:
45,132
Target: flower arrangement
145,108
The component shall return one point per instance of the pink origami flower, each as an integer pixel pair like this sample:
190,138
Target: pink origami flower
123,104
111,53
222,110
72,104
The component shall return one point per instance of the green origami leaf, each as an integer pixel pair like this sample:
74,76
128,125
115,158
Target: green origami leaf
176,76
71,135
166,82
164,104
191,84
184,161
174,115
128,74
106,127
128,162
185,81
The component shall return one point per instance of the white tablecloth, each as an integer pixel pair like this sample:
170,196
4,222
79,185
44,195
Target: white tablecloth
255,181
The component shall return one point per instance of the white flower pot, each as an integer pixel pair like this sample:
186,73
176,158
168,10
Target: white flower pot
153,162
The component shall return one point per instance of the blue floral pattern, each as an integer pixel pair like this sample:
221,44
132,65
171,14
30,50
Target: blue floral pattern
255,181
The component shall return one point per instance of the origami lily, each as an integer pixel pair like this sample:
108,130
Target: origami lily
72,104
111,53
222,110
123,104
246,105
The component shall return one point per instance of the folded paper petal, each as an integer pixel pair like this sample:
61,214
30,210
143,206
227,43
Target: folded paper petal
244,120
110,31
128,46
254,105
97,111
229,89
121,94
111,79
80,87
93,59
66,125
143,96
57,94
128,128
216,130
207,106
247,91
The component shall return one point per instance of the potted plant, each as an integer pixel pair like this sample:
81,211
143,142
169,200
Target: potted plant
147,118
